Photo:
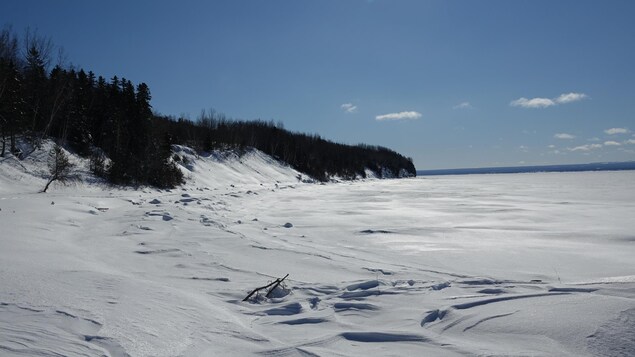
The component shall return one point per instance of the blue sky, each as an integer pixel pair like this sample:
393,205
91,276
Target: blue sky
449,83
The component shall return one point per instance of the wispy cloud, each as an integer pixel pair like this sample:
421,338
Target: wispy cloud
551,146
564,136
532,103
630,141
523,148
570,97
612,143
464,105
538,102
587,147
614,131
349,108
399,116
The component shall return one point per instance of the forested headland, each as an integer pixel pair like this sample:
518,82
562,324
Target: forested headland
111,121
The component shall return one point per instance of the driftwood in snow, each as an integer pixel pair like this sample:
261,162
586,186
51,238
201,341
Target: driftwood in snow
277,282
271,286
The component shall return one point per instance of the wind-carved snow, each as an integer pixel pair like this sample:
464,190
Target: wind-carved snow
528,264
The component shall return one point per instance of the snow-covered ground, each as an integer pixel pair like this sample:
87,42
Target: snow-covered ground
522,265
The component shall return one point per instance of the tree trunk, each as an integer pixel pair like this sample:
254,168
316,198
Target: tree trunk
13,147
48,183
4,142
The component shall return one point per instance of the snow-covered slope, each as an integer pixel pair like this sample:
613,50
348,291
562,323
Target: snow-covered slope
220,169
32,171
533,264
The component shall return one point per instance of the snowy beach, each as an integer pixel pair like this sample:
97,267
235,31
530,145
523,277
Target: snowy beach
521,264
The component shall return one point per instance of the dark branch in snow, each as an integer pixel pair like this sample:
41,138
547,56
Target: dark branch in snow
274,284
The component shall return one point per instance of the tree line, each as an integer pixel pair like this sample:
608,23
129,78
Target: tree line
309,154
112,122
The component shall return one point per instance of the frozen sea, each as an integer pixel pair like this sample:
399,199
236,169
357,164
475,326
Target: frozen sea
537,264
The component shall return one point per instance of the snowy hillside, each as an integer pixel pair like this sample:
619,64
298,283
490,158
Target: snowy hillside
533,264
213,171
220,169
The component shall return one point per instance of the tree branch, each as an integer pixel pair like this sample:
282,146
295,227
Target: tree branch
276,282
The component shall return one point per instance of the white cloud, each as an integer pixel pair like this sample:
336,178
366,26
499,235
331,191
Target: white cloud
399,116
612,143
532,103
630,141
614,131
563,98
551,146
464,105
586,147
523,148
570,97
349,108
564,136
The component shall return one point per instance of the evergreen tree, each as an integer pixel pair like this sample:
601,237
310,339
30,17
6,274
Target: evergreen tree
60,167
79,121
34,88
11,104
162,171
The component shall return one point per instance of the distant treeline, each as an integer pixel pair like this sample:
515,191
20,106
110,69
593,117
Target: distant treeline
597,166
112,122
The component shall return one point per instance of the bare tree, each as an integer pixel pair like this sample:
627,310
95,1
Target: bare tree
9,44
60,167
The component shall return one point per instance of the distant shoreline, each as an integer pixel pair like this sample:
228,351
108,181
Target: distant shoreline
601,166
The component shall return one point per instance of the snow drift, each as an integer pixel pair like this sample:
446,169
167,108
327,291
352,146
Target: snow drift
528,264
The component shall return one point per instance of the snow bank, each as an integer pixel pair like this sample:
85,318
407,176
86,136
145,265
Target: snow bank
211,171
221,169
30,172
